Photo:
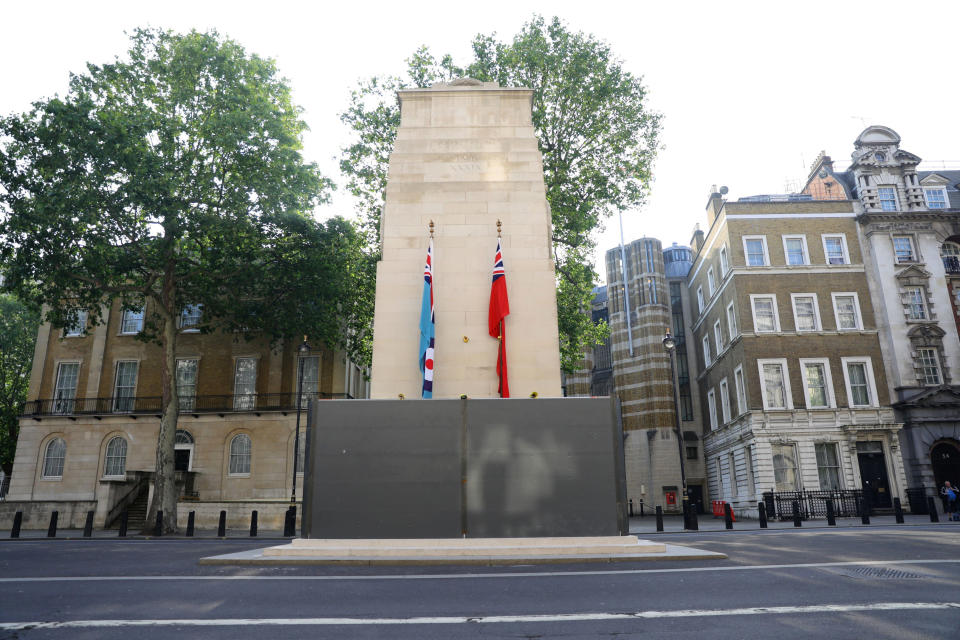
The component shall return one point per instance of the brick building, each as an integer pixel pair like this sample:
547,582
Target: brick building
908,222
790,367
634,366
89,431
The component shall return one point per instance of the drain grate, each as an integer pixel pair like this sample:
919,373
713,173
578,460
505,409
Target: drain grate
881,573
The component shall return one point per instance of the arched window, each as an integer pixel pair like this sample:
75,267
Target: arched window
182,451
53,457
116,463
240,448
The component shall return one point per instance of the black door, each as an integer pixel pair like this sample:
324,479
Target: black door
695,496
945,459
181,459
873,473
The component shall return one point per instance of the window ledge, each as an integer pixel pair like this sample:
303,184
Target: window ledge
238,475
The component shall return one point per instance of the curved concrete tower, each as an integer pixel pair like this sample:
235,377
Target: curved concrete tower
466,156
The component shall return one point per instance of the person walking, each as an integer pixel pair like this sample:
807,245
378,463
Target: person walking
949,494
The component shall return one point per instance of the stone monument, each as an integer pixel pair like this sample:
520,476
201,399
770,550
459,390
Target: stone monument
465,463
465,157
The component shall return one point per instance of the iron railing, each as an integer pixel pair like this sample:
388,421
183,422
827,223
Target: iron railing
813,504
241,403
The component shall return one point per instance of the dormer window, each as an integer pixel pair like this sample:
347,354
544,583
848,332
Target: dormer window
936,198
888,198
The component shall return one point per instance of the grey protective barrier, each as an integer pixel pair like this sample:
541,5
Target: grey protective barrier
474,468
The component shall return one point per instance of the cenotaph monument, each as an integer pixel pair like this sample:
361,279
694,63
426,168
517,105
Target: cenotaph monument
457,456
464,473
466,157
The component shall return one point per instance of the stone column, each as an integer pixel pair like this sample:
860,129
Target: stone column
465,157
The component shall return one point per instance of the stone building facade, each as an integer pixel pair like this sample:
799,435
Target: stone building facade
909,228
790,370
640,376
89,430
641,372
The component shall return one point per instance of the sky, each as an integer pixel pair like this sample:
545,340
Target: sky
750,92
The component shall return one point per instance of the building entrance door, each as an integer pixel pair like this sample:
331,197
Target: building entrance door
873,473
181,459
945,460
695,496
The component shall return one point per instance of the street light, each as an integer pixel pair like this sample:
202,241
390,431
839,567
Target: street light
291,524
670,346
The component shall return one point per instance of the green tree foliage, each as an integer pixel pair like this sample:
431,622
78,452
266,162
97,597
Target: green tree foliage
597,135
171,178
18,334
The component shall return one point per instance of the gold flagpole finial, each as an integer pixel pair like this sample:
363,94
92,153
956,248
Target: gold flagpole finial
498,228
431,228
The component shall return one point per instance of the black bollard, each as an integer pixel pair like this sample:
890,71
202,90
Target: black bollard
694,524
17,523
898,510
158,526
124,518
864,511
88,525
641,508
222,526
762,514
253,523
659,518
290,522
797,522
191,519
932,508
630,507
52,529
831,515
727,515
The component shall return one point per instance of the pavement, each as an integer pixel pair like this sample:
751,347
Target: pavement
896,582
643,526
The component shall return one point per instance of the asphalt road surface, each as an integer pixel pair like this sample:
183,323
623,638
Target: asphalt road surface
881,582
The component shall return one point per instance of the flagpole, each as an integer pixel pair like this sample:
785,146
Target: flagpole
500,338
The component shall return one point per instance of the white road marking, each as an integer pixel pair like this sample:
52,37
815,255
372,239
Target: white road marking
461,576
559,617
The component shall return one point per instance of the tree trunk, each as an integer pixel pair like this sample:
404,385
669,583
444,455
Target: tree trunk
164,479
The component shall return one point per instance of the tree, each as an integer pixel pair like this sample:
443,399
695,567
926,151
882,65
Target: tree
175,178
18,334
596,132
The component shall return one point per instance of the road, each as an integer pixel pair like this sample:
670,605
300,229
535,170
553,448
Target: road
881,582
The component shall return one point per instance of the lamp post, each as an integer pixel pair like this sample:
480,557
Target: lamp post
290,527
670,345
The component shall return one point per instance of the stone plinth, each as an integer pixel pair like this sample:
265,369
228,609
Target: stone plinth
465,157
449,551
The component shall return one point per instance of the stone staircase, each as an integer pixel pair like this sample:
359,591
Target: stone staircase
136,513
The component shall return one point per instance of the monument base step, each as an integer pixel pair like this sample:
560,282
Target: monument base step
483,551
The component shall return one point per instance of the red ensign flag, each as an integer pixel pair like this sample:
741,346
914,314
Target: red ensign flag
499,310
